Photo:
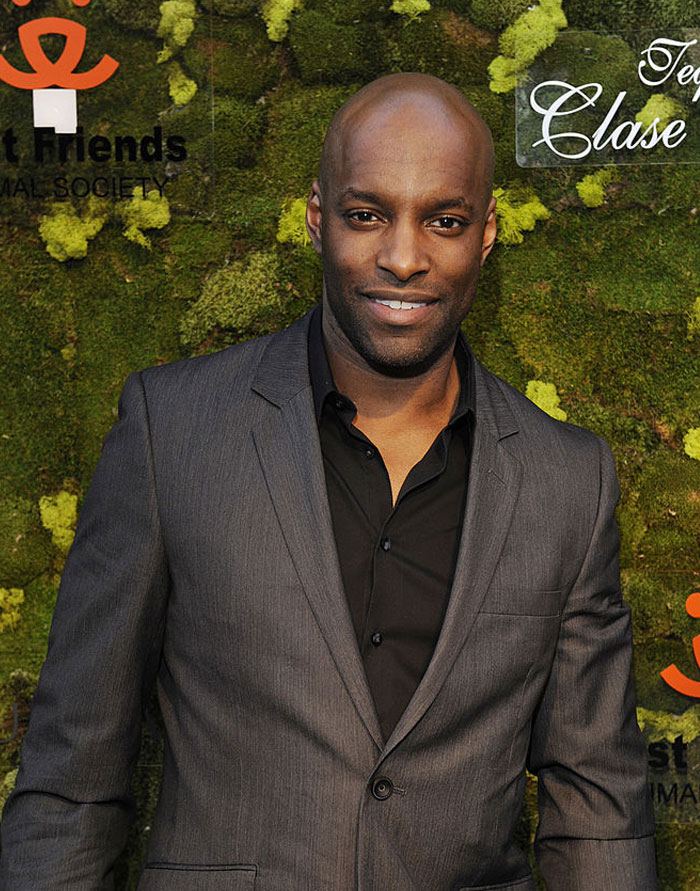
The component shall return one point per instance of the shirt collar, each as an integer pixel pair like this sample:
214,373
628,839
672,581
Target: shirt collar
324,387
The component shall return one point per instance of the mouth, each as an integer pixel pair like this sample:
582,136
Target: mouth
405,302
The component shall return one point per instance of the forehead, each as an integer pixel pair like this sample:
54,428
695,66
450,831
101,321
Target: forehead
414,146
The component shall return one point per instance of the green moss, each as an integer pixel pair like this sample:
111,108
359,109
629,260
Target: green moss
144,15
243,62
495,15
591,189
151,212
238,300
59,514
521,43
11,599
23,548
446,45
182,88
348,12
66,233
297,123
232,7
177,18
328,52
694,319
651,603
517,210
544,395
663,110
663,725
292,223
410,8
691,443
277,14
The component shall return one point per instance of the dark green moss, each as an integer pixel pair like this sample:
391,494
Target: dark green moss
352,12
144,15
239,56
24,544
325,51
446,45
496,15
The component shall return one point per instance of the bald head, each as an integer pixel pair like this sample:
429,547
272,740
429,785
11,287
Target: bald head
404,102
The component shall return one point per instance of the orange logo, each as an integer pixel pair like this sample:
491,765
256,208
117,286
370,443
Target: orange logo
675,678
60,73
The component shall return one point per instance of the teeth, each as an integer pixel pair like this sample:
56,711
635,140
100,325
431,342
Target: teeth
398,304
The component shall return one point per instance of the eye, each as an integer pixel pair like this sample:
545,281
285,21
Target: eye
362,216
447,224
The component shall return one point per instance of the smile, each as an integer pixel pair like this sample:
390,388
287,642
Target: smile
397,304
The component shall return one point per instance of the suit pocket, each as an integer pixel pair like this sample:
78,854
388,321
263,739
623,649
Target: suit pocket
194,877
526,884
522,602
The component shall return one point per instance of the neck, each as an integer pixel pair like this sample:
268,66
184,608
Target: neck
426,399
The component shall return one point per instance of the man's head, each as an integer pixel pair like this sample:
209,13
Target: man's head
402,214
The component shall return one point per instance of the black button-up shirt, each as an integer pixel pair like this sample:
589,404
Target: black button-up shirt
397,561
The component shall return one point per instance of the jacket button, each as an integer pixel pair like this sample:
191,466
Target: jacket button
382,788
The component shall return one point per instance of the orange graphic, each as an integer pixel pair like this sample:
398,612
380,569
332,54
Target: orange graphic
60,73
675,678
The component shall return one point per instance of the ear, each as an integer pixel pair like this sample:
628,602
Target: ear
490,230
313,216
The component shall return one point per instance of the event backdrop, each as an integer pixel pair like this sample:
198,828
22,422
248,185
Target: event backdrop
154,159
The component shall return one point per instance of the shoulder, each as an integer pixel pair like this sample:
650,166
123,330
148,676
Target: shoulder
540,438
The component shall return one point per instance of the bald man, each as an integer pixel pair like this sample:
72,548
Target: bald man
372,582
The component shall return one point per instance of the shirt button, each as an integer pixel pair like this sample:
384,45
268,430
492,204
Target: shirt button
377,638
385,544
382,788
369,453
339,402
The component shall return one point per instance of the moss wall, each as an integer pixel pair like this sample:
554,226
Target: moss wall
596,294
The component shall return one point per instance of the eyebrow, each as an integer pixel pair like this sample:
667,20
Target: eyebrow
372,198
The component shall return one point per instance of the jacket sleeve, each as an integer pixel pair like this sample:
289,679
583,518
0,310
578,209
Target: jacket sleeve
67,819
596,823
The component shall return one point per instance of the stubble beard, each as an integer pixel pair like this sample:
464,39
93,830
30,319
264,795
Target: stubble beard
404,361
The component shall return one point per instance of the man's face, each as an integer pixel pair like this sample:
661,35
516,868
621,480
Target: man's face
403,226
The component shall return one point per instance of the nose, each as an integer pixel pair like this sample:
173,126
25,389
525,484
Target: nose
402,252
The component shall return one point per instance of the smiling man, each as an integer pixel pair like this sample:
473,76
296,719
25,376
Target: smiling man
373,583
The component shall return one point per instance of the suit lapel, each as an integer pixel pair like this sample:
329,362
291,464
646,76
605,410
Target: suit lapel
288,447
494,482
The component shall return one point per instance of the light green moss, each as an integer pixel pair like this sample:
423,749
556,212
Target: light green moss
242,298
517,211
10,601
691,443
663,725
694,319
663,109
545,396
182,88
177,19
66,233
292,223
151,212
59,514
410,8
7,785
591,189
521,43
277,14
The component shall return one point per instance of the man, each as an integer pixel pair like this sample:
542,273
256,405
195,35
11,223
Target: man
374,582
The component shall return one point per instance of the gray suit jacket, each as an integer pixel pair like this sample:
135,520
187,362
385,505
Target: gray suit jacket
205,557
